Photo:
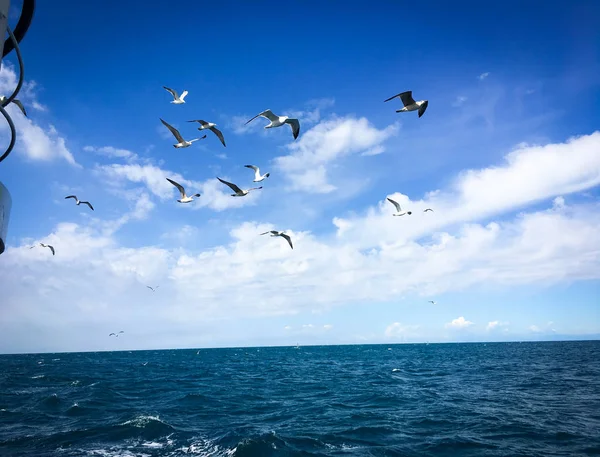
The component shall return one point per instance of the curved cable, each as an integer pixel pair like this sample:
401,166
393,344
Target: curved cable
22,26
21,68
13,133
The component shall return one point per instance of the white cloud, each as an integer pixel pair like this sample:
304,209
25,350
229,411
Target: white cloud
400,331
534,329
287,327
109,151
460,100
459,323
482,76
33,141
496,325
307,326
325,143
327,326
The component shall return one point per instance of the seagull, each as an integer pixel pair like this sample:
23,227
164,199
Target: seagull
79,202
278,121
281,234
177,100
432,302
116,334
428,209
184,198
48,246
257,176
409,103
210,126
182,143
16,102
399,211
238,192
153,289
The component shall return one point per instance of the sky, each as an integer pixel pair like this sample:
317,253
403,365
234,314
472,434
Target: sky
507,155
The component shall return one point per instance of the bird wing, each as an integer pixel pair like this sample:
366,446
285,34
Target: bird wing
407,98
183,94
111,334
150,288
21,107
219,134
179,187
200,121
423,107
287,237
71,196
89,204
174,131
51,248
295,124
173,92
266,113
428,209
395,204
256,170
233,187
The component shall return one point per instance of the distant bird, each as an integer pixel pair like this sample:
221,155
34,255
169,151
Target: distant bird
181,142
281,234
432,302
257,176
116,334
238,192
184,198
210,126
278,121
16,102
177,100
399,211
428,209
153,289
409,103
48,246
79,202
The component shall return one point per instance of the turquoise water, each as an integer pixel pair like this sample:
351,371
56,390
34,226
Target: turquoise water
500,399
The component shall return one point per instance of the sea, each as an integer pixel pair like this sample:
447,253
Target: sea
472,399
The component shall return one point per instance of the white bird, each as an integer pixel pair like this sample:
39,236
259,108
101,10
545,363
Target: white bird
48,246
181,142
116,334
409,103
399,211
16,102
184,198
153,289
281,234
177,99
212,127
79,202
238,192
428,209
257,176
278,121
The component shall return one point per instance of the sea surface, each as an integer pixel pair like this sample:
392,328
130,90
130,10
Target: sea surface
493,399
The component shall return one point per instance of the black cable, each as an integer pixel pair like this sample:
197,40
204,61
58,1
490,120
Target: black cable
22,26
11,124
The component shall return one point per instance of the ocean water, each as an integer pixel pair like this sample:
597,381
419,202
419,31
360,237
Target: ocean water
494,399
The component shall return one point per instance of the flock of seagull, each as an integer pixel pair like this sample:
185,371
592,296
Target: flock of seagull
409,104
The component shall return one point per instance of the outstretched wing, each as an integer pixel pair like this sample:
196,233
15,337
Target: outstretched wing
173,130
21,107
52,249
219,134
89,204
200,121
295,124
71,196
179,187
256,170
173,92
428,209
289,240
406,98
423,107
266,113
150,288
395,204
183,94
233,187
273,232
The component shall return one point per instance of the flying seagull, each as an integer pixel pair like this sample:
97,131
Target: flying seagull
432,302
80,201
177,100
399,211
238,192
49,247
153,289
428,209
281,234
181,142
210,126
116,334
257,176
184,198
17,102
278,121
409,103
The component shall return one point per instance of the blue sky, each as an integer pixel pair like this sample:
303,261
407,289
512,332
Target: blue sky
507,155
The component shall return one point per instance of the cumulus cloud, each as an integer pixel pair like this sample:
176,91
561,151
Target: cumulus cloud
534,329
328,141
33,141
459,323
482,76
110,151
400,331
496,325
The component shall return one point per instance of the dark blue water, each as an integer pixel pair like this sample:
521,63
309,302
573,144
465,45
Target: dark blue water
508,399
